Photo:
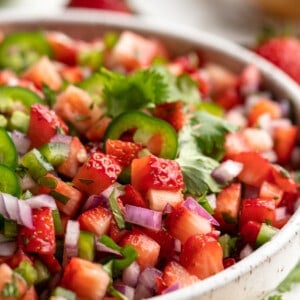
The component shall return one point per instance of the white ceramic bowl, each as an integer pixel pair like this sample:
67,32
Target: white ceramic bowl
263,270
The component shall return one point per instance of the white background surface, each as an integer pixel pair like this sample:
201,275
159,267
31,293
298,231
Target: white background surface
238,20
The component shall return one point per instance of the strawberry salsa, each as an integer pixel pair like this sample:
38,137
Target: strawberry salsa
128,173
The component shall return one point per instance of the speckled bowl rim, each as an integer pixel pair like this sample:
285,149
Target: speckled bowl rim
287,87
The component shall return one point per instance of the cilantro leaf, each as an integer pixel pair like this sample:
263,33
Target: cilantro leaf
196,172
293,277
135,91
209,133
182,88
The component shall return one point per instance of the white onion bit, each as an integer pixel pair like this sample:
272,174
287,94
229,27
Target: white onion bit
227,171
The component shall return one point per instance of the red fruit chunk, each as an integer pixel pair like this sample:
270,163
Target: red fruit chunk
88,280
41,239
156,173
43,125
124,152
249,232
132,196
96,220
202,256
147,248
284,52
97,173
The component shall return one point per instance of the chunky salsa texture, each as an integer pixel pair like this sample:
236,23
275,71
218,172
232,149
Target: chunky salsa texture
126,172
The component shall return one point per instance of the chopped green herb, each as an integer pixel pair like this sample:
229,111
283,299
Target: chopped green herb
113,203
59,197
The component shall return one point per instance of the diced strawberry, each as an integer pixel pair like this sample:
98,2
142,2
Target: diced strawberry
289,201
283,179
181,223
256,169
97,130
8,276
164,239
249,80
202,82
228,98
87,279
96,220
249,232
64,48
257,210
45,121
97,173
41,239
67,198
72,74
124,152
158,199
115,232
273,50
258,139
202,256
17,258
261,107
133,50
173,274
76,107
228,205
132,196
77,155
228,262
44,72
171,113
30,294
270,191
157,173
285,139
147,248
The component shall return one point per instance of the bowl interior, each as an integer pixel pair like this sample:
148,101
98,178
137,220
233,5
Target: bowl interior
179,40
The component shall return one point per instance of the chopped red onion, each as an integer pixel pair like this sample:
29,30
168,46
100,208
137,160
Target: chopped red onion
17,210
280,213
146,286
71,240
21,141
62,138
11,205
270,155
175,286
131,274
42,200
103,248
212,200
25,214
168,209
227,171
126,290
8,248
177,245
5,239
247,250
27,182
94,201
115,186
143,216
191,204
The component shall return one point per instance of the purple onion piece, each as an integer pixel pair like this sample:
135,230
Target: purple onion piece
42,201
11,206
21,141
115,186
62,138
94,201
103,248
3,210
131,274
143,216
8,248
227,171
191,204
126,290
25,214
174,287
250,192
146,286
71,240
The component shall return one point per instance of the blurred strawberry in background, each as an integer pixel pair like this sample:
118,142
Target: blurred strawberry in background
115,5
